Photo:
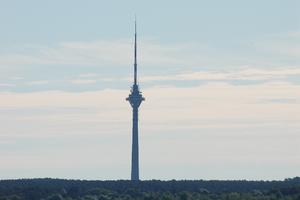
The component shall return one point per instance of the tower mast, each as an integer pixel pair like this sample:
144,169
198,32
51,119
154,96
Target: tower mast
135,55
135,99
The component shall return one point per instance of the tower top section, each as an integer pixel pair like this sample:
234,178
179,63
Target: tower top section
135,97
135,54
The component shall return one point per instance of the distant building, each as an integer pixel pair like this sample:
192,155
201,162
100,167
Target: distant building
135,99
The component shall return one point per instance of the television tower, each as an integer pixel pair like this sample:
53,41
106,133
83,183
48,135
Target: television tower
135,99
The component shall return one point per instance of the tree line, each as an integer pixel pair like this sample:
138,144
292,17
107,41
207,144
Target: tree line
59,189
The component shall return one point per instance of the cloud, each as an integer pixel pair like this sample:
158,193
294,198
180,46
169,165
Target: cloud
101,52
253,74
7,85
88,75
119,52
41,82
94,81
16,78
83,81
103,61
236,120
211,102
281,100
281,45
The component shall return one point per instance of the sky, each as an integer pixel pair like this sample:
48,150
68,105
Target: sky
221,81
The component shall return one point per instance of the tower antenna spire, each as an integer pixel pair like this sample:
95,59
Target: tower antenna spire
135,53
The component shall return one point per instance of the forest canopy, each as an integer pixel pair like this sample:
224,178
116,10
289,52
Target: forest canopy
59,189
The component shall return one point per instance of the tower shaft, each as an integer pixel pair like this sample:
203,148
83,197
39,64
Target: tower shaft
135,99
135,145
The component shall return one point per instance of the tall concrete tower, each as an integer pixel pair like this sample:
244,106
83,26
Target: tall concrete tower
135,99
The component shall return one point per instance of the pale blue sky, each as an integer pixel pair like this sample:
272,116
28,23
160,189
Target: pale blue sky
221,79
204,35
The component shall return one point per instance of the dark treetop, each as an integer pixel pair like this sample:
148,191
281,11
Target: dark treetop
33,189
